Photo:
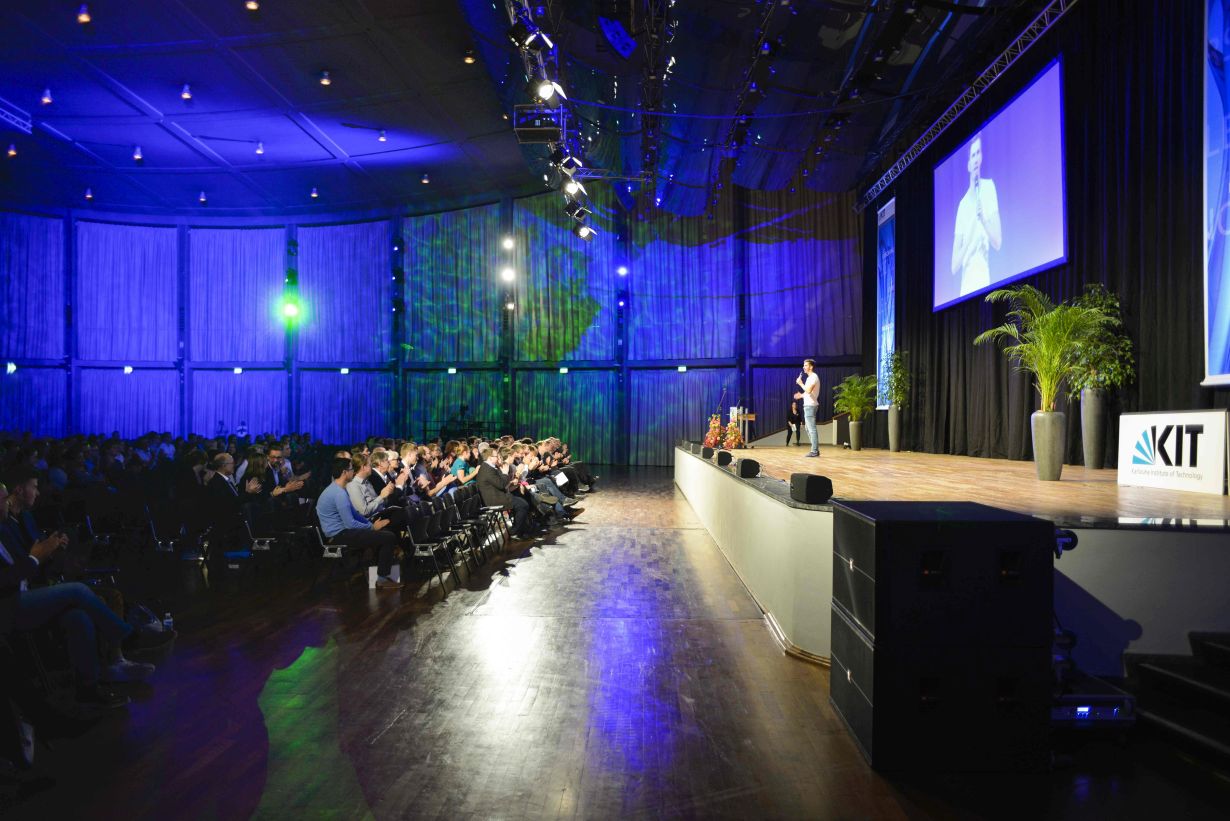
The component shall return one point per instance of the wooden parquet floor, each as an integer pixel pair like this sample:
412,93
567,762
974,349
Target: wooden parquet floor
617,670
872,473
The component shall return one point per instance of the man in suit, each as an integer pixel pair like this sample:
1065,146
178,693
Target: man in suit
225,504
493,486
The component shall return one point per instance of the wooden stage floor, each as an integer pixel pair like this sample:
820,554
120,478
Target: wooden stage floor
1081,494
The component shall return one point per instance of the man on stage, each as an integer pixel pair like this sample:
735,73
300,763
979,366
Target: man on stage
810,392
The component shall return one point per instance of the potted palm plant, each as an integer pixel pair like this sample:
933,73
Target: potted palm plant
1103,363
855,395
1046,339
898,396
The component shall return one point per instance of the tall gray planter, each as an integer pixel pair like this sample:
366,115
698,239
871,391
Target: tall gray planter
894,428
856,436
1050,434
1093,427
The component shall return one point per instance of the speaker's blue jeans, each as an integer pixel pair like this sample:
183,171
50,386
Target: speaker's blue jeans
809,417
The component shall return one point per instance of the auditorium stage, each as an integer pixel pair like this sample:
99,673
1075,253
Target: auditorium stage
1081,497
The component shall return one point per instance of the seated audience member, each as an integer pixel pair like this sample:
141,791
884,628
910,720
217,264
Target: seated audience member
340,523
225,503
494,488
363,496
460,468
83,617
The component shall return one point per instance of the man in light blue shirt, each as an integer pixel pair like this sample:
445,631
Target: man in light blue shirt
342,524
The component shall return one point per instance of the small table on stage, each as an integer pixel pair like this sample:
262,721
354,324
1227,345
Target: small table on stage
742,419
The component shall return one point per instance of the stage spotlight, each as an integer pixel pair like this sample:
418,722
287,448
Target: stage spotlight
325,79
425,180
12,152
344,371
137,156
10,368
511,306
682,369
83,14
290,308
383,138
566,160
260,148
563,370
469,57
315,194
573,187
237,371
507,243
583,231
201,198
186,92
622,270
46,98
252,5
127,370
524,34
452,370
576,210
89,194
508,274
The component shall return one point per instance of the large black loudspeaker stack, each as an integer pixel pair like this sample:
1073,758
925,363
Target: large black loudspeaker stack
941,635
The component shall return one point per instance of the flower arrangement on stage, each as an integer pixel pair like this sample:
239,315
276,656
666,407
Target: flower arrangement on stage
713,439
733,439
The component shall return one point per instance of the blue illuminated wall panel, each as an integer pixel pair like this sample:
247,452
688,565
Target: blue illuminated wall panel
452,287
127,301
255,400
346,408
234,288
34,399
144,401
31,287
665,406
432,397
579,407
345,276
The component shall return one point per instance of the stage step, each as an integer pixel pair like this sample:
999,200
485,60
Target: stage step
1212,648
1186,699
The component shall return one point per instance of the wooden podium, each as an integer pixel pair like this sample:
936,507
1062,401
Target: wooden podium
742,419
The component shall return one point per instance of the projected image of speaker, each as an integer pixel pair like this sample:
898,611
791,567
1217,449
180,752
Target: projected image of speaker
810,489
724,458
706,453
747,468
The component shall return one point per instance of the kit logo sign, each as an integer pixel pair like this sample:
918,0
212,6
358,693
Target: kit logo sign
1168,447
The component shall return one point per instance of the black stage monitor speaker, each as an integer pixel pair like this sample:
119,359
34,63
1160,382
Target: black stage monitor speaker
810,488
706,453
724,457
694,447
747,468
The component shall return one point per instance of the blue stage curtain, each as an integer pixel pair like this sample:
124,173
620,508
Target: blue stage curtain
665,406
773,389
31,287
452,286
126,306
342,408
345,277
804,264
234,287
134,404
566,287
434,396
578,407
682,284
34,400
223,401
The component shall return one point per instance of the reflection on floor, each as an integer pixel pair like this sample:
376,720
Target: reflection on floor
619,669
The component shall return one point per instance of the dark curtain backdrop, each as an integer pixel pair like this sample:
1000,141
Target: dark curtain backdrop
566,288
666,406
804,273
452,285
344,408
1133,110
223,401
345,276
31,287
579,407
432,397
235,278
134,404
36,399
127,298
